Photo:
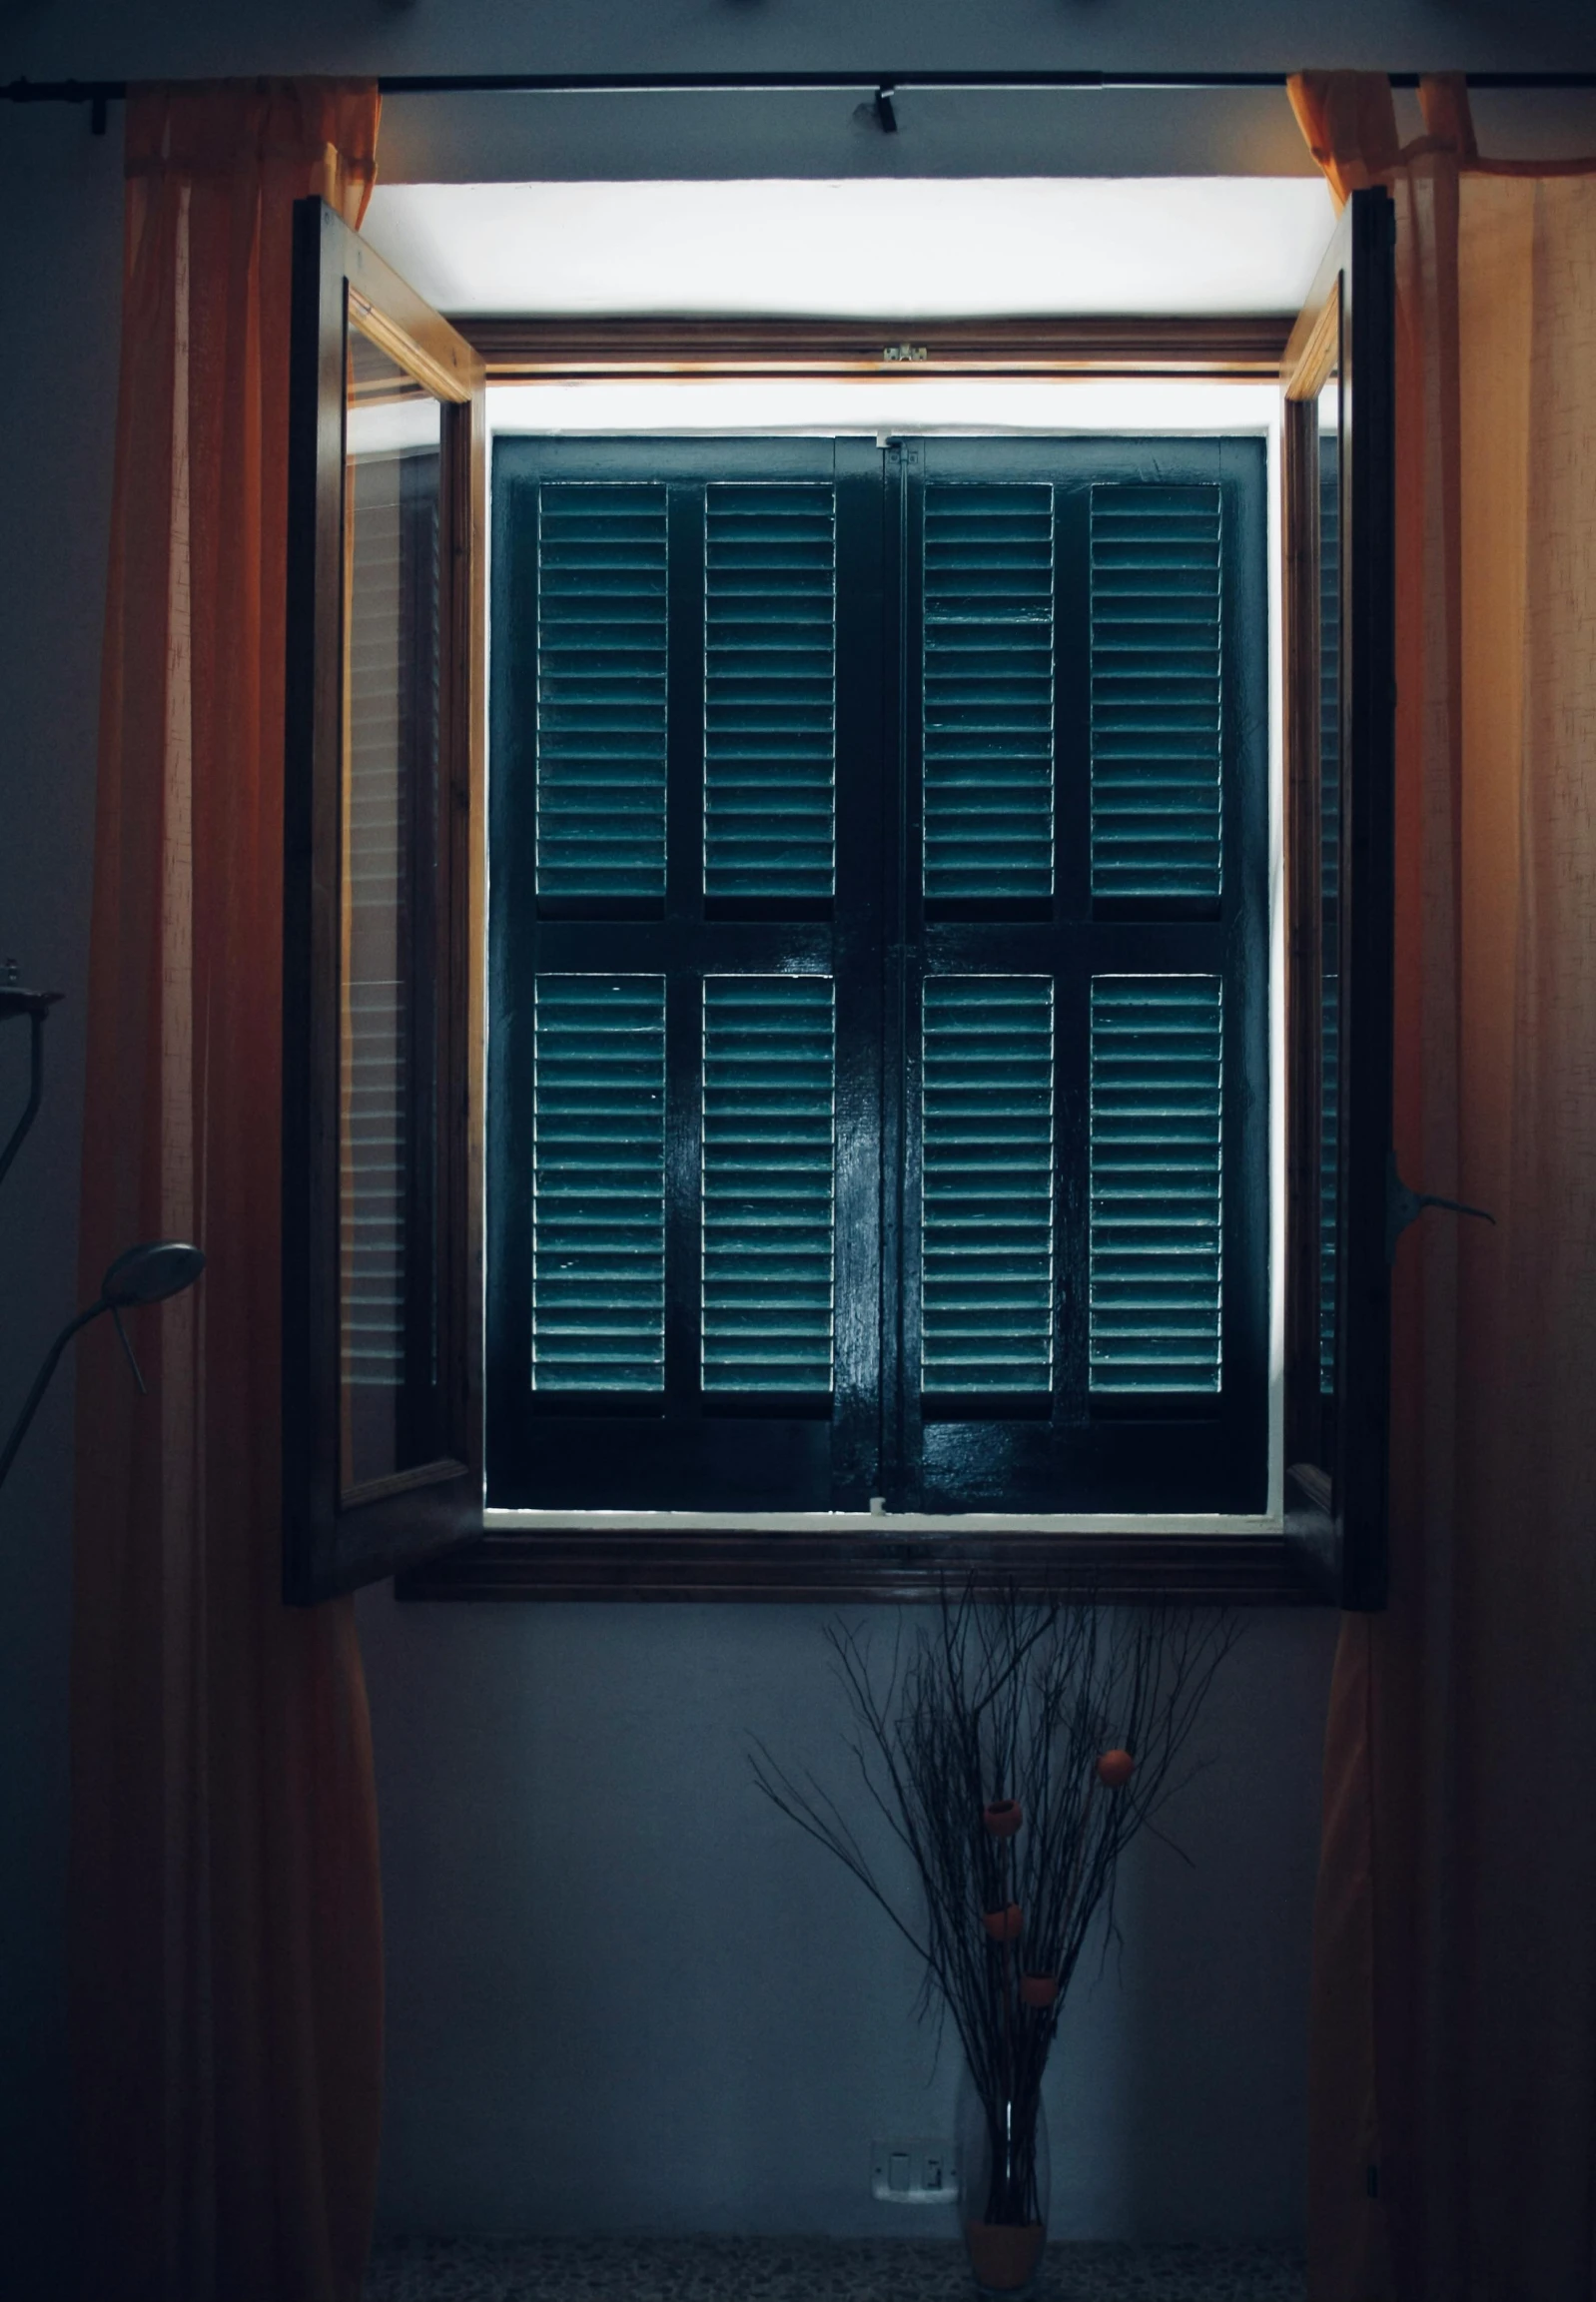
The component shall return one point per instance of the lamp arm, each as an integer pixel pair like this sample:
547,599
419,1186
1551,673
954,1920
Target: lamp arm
35,1096
41,1383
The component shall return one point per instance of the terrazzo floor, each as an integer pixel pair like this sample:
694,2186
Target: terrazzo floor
809,2270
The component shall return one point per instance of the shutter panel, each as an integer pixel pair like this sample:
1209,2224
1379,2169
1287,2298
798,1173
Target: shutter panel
372,1196
768,1184
599,1183
769,690
987,692
383,880
601,618
1155,687
987,1186
1330,604
1156,1225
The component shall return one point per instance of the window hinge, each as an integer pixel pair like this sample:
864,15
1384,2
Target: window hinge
1404,1207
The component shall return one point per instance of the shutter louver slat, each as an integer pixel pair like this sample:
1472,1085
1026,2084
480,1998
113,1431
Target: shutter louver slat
1329,887
769,690
599,1183
1155,691
1155,1224
987,1186
987,692
768,1184
387,684
601,652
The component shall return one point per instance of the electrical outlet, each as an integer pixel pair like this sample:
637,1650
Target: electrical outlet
923,2172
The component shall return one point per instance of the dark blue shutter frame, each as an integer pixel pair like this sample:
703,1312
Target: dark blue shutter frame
602,630
770,690
769,1183
1156,690
599,1183
1076,1265
987,692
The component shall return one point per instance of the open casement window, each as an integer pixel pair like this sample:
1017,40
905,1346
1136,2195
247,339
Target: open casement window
1338,377
382,920
879,948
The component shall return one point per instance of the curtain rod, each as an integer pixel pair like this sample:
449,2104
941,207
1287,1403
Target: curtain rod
97,94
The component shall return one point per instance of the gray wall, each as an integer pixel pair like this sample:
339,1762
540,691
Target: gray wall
621,1994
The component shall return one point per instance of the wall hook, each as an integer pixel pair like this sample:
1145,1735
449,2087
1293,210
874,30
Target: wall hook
885,113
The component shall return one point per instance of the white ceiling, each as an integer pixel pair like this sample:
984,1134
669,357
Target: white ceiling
912,248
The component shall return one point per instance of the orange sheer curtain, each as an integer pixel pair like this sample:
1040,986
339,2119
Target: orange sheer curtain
226,1921
1453,2122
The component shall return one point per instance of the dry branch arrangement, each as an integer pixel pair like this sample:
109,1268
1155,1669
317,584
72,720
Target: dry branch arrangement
1014,1746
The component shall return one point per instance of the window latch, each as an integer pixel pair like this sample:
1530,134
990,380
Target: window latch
1404,1207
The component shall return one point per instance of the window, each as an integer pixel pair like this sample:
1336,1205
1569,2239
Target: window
879,935
877,1121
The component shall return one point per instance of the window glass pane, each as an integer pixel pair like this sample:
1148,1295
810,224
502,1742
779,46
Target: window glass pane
1156,685
1156,1207
770,706
1329,412
986,1185
987,694
389,954
602,611
599,1183
768,1184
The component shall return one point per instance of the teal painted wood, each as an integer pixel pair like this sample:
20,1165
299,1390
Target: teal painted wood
1156,1235
770,701
601,647
599,1183
987,692
1155,693
769,1183
986,1185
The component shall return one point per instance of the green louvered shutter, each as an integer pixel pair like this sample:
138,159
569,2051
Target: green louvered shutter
1157,1240
768,1184
770,680
601,664
599,1183
987,692
1155,693
986,1312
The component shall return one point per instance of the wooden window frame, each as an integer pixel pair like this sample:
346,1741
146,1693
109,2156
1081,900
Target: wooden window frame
1266,1569
1337,1449
336,1536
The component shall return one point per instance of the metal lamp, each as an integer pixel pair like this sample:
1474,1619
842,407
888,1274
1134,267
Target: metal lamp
143,1275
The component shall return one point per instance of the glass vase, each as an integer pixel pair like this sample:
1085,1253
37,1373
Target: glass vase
1003,2186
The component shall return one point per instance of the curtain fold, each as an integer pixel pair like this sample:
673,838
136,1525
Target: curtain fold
226,1932
1453,2052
